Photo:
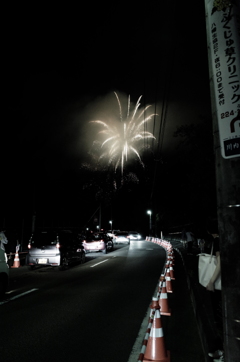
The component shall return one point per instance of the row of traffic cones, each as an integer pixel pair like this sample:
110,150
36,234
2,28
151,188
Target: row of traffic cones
153,348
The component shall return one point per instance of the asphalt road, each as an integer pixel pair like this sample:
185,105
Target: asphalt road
90,312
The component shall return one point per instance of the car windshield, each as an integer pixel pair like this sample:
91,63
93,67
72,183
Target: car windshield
95,237
98,237
122,234
44,238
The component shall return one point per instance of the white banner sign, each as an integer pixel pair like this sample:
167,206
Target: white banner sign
224,41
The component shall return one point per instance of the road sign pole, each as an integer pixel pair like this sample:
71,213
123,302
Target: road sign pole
228,211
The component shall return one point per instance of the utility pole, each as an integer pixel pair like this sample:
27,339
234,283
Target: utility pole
223,24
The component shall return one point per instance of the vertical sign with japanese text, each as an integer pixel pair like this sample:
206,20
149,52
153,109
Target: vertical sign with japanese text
224,41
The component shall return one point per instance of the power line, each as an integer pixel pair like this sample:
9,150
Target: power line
165,103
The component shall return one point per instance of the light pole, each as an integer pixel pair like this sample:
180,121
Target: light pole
149,212
110,222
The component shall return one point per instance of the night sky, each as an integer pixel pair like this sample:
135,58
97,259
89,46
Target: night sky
61,67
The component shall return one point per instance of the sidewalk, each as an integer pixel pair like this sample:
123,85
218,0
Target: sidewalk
200,300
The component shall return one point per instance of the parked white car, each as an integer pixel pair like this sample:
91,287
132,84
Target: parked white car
4,268
54,248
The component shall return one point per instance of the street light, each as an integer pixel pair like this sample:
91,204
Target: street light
110,222
149,212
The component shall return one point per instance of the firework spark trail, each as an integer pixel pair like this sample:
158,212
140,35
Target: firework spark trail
124,139
119,104
128,111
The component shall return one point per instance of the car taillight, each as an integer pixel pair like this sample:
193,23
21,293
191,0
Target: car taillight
29,246
57,245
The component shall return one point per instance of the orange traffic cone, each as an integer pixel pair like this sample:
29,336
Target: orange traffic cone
171,272
172,258
156,350
153,306
168,282
16,261
154,303
167,266
163,301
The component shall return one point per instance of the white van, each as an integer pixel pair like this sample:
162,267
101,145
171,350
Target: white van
4,268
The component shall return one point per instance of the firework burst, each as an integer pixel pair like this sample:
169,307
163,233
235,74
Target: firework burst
126,138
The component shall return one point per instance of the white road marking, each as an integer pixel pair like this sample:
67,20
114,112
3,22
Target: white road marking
92,266
18,296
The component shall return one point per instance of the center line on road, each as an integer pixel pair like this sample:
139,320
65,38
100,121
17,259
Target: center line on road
18,296
92,266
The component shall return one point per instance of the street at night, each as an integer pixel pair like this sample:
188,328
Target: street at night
119,119
95,311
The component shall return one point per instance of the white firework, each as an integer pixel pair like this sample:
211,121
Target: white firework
126,137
